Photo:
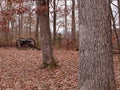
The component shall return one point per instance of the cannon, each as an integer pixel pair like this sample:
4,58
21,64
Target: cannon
23,43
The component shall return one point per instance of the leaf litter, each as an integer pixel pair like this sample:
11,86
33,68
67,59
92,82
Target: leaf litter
20,70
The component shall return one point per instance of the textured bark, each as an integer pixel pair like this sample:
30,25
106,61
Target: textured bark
46,45
96,63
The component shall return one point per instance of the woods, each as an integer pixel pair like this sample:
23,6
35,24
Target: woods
59,44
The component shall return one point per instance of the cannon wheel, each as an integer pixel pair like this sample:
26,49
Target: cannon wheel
32,45
18,44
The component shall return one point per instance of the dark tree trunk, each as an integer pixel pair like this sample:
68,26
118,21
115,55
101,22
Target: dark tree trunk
96,62
54,22
19,27
73,23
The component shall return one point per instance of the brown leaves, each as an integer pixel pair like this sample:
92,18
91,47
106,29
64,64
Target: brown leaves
20,70
42,9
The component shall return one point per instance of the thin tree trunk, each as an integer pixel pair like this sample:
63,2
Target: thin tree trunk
118,1
46,45
19,27
54,21
21,23
12,31
66,31
37,27
73,23
96,62
30,19
115,30
36,32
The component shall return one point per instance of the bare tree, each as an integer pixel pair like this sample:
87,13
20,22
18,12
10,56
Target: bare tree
46,46
96,63
73,23
66,31
54,21
118,1
115,30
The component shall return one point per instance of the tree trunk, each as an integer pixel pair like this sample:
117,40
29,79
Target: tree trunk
66,31
46,46
118,1
37,31
30,22
96,62
54,22
12,34
20,25
73,24
37,27
115,30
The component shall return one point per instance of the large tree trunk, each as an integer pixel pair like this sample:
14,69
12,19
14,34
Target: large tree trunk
96,63
46,46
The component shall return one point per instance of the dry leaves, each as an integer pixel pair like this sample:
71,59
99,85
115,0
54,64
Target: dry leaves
20,70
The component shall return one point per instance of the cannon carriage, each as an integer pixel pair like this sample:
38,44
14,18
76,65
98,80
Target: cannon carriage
23,43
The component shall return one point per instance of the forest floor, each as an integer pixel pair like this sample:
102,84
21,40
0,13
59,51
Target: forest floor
21,70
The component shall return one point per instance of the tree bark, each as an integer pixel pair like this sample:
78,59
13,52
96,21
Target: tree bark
73,23
96,70
54,21
46,46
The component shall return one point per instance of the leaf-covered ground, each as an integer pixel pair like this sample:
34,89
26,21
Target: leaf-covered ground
21,70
